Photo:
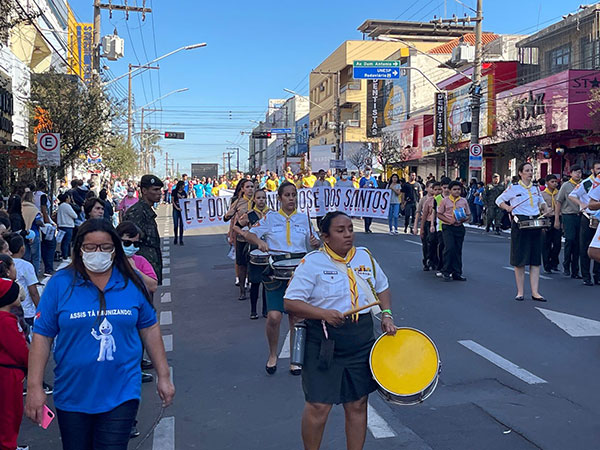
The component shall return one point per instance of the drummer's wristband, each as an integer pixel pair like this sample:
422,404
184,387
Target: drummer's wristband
386,311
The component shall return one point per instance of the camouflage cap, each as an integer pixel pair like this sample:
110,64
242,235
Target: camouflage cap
151,181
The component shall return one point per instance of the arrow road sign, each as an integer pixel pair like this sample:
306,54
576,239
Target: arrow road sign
574,326
376,70
281,130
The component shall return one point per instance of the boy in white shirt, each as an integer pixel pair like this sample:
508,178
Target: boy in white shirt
26,278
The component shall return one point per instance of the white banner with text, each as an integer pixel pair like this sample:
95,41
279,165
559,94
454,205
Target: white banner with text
209,211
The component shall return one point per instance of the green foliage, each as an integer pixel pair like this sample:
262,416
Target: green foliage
81,114
118,157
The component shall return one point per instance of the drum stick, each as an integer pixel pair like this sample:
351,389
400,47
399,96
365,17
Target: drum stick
359,309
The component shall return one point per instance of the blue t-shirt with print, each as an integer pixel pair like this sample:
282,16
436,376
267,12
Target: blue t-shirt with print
97,357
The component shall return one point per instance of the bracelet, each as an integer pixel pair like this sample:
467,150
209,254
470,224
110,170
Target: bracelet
387,311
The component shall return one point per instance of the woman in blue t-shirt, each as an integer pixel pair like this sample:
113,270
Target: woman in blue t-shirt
99,312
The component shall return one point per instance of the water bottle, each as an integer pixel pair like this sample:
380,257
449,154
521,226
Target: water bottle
297,356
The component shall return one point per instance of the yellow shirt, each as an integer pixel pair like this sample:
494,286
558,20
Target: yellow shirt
356,184
234,183
298,183
309,181
272,185
331,180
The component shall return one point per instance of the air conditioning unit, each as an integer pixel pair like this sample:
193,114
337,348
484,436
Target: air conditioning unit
353,123
463,53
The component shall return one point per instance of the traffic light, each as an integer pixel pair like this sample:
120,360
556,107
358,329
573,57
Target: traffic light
261,135
174,135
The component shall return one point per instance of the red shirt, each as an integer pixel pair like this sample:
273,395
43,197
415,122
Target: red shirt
13,347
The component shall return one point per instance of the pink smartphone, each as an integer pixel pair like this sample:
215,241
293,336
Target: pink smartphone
47,418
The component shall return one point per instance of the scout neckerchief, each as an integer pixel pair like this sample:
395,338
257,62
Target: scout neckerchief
454,201
552,194
346,261
574,183
528,191
263,211
288,226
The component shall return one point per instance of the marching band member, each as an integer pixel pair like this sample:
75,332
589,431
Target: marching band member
338,278
288,234
580,195
259,206
239,207
526,201
594,205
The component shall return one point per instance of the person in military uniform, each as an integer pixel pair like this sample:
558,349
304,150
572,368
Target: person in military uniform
493,213
144,217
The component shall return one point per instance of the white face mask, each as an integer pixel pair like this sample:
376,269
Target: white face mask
344,176
129,194
130,251
97,262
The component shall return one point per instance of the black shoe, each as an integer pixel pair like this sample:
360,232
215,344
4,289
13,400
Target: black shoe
588,283
538,299
596,280
175,241
147,364
426,269
548,271
242,296
459,278
271,370
576,277
567,273
446,278
264,314
147,378
134,432
498,232
296,372
180,241
487,230
519,298
48,389
253,316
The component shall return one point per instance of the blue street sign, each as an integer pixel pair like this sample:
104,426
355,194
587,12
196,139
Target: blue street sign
376,70
281,130
375,73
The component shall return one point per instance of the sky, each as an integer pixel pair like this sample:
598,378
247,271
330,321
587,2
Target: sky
255,50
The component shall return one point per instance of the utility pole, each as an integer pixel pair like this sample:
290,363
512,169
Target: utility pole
142,154
130,99
476,87
237,149
166,164
97,19
338,113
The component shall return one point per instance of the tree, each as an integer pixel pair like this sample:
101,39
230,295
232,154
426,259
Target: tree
361,158
10,16
118,157
82,115
149,145
520,128
390,153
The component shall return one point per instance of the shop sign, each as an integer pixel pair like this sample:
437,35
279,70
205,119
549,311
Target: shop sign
440,119
6,108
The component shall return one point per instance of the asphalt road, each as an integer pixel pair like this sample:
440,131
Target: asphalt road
511,377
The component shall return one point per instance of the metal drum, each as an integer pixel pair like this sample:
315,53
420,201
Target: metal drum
406,366
284,269
259,258
534,224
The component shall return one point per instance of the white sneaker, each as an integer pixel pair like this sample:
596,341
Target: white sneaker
391,233
396,231
22,447
439,274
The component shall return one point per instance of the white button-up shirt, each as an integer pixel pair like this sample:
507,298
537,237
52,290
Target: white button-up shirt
321,283
518,196
272,229
583,190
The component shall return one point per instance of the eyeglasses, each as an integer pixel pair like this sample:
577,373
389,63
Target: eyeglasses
106,248
128,243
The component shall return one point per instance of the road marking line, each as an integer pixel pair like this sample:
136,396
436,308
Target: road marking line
171,373
166,318
503,363
166,261
574,326
165,298
285,350
166,282
164,434
168,341
543,277
166,254
378,427
413,242
166,271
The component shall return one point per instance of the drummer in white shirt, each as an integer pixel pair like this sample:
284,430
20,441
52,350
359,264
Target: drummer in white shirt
327,283
526,203
594,205
286,234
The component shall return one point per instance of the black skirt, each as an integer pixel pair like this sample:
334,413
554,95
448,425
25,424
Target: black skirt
525,246
348,377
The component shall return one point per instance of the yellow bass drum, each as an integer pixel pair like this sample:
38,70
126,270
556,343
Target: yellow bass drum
406,366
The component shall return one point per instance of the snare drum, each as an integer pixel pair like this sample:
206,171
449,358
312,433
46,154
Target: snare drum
406,366
284,269
259,258
533,224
